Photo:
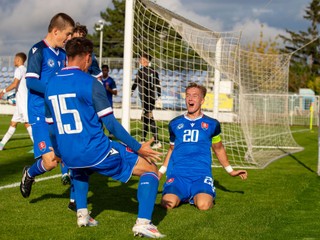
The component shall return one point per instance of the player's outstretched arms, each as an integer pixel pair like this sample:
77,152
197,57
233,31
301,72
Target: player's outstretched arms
241,173
148,153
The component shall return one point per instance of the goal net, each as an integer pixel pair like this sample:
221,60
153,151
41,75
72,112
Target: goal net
247,92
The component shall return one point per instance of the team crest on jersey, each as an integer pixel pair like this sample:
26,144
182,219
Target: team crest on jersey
42,146
170,180
180,126
50,62
204,126
34,50
129,149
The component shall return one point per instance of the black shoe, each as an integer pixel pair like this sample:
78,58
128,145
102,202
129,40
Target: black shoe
65,179
26,183
72,206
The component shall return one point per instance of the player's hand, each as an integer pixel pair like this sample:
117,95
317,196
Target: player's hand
241,173
148,153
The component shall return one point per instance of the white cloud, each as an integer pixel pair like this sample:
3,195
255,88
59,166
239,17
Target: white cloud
23,24
180,7
26,24
251,30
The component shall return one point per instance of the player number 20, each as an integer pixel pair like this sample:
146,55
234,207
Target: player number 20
191,135
60,107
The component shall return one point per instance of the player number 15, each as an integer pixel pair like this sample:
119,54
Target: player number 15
60,107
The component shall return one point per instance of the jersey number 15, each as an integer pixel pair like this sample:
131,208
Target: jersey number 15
60,107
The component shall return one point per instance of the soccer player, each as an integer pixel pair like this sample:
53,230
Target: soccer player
147,80
188,161
78,105
94,69
108,83
20,114
45,59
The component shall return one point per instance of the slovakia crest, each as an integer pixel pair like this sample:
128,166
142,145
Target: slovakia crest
50,62
129,149
42,146
170,180
204,126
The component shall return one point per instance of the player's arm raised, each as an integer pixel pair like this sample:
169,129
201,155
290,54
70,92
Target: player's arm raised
221,154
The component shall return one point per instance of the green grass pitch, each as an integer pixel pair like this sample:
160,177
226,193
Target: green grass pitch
281,201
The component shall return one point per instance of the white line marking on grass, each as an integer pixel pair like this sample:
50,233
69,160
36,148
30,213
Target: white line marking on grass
37,180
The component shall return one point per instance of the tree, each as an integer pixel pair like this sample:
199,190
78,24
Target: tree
263,46
113,31
305,62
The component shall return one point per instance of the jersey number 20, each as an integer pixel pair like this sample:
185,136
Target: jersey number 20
191,135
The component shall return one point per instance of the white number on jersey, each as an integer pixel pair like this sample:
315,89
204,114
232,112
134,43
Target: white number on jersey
208,180
191,135
60,107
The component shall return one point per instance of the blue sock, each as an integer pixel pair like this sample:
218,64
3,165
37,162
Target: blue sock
64,168
72,195
37,168
147,194
81,187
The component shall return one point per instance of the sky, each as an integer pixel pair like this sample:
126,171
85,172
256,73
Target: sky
25,22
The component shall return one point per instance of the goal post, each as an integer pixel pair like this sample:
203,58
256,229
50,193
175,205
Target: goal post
247,92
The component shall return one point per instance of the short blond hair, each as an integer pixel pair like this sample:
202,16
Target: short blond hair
202,88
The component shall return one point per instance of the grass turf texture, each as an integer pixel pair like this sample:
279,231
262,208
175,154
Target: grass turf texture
278,202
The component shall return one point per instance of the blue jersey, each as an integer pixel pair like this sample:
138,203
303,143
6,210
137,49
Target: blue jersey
94,68
111,83
192,140
78,105
43,63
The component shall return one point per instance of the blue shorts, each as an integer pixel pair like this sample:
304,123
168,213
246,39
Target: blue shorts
187,188
41,139
119,164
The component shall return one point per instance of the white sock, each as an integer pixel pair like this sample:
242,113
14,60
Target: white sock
83,211
29,129
8,135
143,221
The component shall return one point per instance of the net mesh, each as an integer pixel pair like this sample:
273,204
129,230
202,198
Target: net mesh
247,91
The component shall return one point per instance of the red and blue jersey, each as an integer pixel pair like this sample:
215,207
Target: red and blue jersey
78,105
112,84
192,140
43,63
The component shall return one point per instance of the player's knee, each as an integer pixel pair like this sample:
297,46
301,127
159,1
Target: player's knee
49,161
169,203
49,165
204,205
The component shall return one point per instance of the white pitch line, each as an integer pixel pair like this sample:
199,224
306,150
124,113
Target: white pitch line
37,180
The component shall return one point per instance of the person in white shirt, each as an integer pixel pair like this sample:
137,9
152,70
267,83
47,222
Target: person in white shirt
21,113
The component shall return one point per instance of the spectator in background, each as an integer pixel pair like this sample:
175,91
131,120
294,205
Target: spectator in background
147,81
20,114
